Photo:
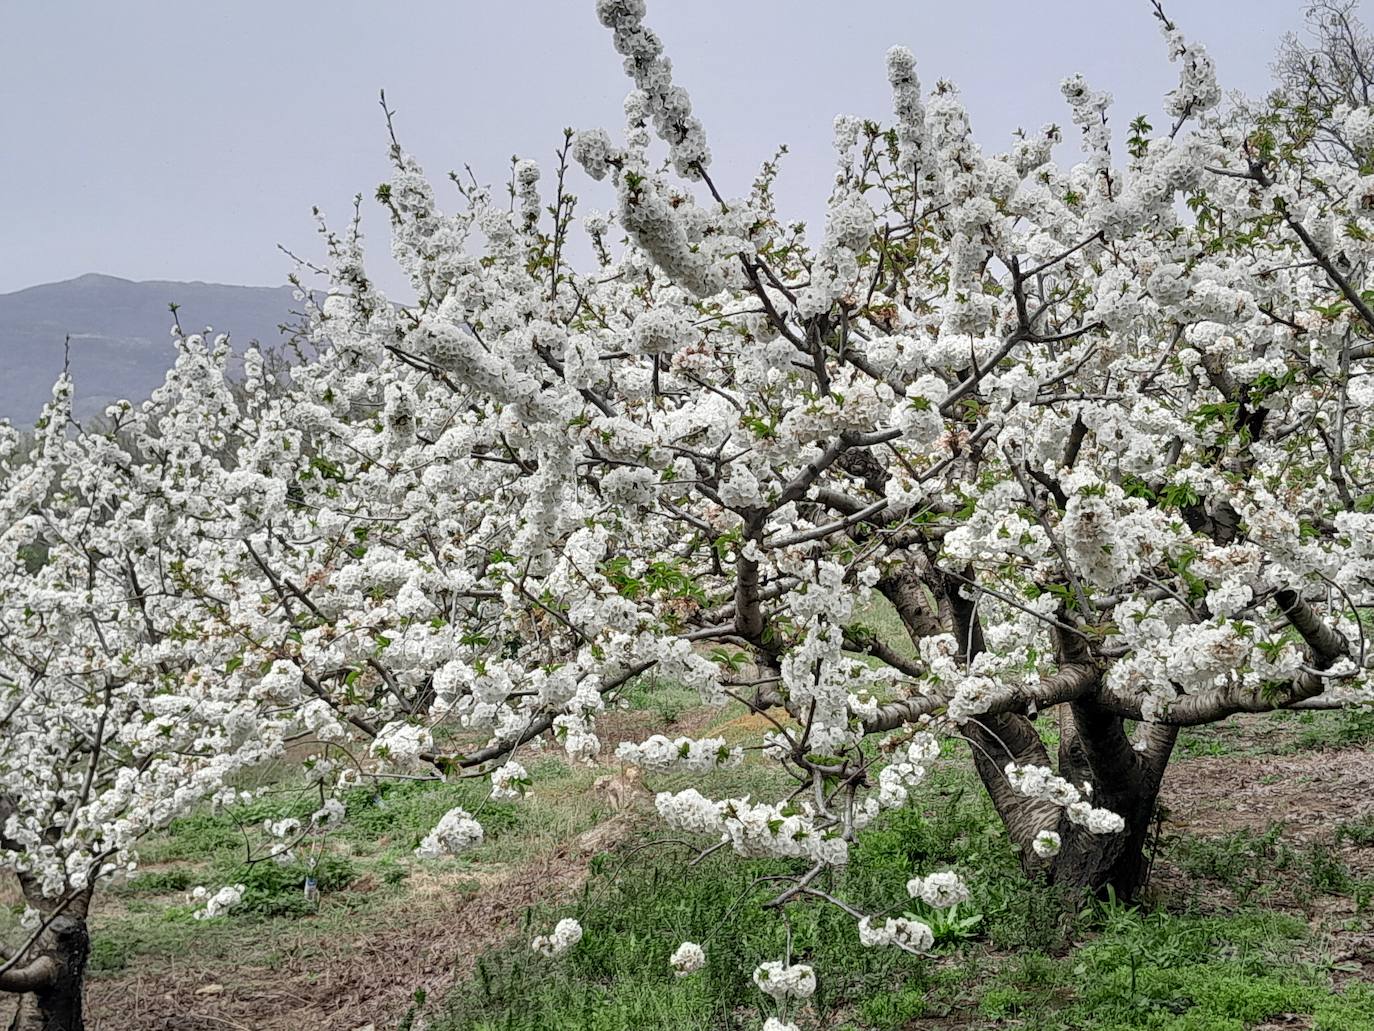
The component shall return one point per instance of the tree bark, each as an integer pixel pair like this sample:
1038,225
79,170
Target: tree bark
1094,749
1086,862
54,1002
52,981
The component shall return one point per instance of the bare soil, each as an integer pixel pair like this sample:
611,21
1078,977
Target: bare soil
1307,795
1308,792
360,982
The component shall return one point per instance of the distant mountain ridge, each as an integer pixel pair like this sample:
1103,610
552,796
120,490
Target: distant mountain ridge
119,332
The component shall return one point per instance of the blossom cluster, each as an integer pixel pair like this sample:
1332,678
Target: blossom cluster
687,958
909,935
217,903
697,755
566,933
756,829
1041,784
785,981
939,890
455,833
509,782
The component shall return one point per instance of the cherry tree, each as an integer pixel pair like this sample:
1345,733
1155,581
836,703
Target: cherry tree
1100,457
1099,435
1328,74
115,714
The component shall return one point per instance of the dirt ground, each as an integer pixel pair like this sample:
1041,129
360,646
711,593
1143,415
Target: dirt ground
361,983
1309,794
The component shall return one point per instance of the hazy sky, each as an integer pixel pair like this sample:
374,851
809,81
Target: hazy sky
178,139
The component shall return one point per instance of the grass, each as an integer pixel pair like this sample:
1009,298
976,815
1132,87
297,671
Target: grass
1357,832
360,870
878,619
637,909
1344,729
1278,733
1205,974
667,700
1013,956
1258,865
1155,972
1027,964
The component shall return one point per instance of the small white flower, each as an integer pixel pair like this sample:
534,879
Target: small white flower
220,902
566,933
797,981
455,832
940,890
688,959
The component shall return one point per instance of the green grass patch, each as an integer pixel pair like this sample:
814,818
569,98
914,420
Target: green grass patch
1254,864
1017,955
642,902
1346,728
1033,958
667,699
385,822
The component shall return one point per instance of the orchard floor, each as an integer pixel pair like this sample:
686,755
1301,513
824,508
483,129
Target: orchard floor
1260,912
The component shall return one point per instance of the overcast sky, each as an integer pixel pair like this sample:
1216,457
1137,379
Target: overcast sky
175,139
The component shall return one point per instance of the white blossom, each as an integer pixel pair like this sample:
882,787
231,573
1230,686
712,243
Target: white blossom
566,933
217,903
781,981
687,958
456,832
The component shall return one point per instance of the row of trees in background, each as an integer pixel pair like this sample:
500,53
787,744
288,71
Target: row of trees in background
1100,434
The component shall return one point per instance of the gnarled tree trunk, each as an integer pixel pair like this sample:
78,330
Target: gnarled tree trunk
1094,750
51,976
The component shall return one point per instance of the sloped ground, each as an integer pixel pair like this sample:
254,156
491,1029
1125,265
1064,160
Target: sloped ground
350,979
1243,827
1247,927
361,960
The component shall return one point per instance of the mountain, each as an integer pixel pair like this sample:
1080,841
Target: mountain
119,341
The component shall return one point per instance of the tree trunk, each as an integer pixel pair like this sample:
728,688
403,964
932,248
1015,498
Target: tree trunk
51,977
1100,863
56,1003
1093,749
